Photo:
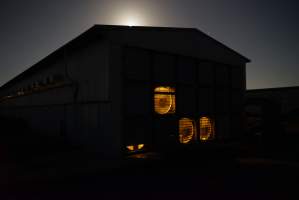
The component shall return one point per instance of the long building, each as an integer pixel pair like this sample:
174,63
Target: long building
120,89
273,111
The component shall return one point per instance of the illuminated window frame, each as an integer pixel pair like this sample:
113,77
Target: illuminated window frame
164,100
206,130
187,130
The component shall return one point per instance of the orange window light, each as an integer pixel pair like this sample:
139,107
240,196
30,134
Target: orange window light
164,99
206,129
186,130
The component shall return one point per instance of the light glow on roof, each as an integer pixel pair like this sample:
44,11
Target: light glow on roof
131,22
130,17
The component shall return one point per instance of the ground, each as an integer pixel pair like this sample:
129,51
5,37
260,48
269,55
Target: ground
181,174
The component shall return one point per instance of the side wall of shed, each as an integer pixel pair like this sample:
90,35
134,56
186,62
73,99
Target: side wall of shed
90,117
78,107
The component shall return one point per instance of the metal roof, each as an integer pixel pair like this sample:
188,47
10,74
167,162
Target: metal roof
272,89
95,32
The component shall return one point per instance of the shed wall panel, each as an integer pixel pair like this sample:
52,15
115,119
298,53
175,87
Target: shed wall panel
89,68
206,100
205,74
187,69
188,43
137,64
186,101
164,68
138,99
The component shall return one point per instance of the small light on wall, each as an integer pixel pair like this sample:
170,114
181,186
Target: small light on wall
135,147
130,148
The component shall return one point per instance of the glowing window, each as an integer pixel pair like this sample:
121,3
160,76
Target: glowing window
206,129
186,130
135,147
164,100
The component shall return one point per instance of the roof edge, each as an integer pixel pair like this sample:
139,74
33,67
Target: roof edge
225,46
272,89
161,28
99,27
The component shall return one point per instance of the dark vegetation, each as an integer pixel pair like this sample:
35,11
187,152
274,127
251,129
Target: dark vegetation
37,167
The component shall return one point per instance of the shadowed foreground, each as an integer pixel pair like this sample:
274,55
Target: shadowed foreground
41,168
77,174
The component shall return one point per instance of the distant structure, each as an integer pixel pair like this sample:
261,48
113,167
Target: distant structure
119,90
273,111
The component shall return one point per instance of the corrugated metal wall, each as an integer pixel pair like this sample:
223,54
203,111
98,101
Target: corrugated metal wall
87,109
203,88
80,110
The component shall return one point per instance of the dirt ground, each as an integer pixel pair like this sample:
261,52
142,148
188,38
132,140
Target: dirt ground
77,175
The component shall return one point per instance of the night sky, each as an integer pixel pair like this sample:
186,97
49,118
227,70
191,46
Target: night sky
266,32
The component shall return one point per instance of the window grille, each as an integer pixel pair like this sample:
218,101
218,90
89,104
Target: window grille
187,130
206,129
165,100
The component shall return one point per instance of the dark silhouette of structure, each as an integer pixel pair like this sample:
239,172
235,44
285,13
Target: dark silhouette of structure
279,103
119,89
272,117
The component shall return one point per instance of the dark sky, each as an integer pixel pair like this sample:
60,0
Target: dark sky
267,32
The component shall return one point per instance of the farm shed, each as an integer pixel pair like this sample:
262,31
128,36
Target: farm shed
120,89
